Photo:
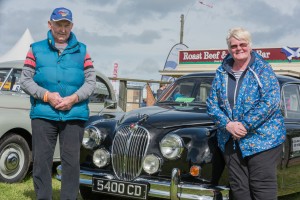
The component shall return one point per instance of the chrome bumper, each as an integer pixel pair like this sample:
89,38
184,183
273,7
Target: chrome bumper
173,189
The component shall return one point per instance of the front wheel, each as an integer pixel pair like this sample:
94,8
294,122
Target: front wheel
14,158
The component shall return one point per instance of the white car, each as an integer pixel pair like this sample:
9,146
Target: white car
15,124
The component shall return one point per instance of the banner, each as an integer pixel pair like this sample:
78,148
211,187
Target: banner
286,54
172,60
115,83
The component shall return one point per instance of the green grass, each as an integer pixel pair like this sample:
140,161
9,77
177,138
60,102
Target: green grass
295,196
25,190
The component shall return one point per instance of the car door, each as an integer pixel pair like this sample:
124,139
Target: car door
289,172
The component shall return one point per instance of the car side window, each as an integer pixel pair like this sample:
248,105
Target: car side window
5,79
204,90
10,80
182,89
101,91
193,89
291,101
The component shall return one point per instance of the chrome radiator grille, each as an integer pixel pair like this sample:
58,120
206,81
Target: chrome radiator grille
128,150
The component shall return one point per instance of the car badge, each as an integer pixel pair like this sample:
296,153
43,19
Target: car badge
133,126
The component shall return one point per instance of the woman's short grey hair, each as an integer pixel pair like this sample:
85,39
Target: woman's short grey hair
239,34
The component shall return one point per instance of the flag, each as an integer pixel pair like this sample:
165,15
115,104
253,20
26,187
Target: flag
291,52
150,96
172,60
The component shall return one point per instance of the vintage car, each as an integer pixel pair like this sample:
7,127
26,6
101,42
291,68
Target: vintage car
169,150
15,125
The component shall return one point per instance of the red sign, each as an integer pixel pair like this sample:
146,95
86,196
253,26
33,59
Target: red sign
213,56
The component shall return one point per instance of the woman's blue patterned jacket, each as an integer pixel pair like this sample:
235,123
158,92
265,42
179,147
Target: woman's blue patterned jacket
257,107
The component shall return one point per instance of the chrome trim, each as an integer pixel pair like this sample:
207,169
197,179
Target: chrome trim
174,184
208,123
129,148
163,188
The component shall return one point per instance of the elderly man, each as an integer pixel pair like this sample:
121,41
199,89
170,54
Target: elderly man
59,76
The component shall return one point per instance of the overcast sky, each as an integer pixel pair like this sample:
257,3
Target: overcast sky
138,34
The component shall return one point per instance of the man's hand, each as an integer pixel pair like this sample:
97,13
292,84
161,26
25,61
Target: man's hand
54,98
67,102
236,129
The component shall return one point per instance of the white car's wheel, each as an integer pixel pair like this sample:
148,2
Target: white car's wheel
14,158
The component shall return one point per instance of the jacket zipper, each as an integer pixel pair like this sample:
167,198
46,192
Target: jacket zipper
235,89
234,101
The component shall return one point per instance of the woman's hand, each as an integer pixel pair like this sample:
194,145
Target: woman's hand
236,129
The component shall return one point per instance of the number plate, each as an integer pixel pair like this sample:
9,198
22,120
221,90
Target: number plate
120,188
296,144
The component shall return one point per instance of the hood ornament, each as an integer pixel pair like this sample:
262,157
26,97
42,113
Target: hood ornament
143,117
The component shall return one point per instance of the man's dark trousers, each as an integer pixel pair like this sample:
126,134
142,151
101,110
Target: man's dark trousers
44,138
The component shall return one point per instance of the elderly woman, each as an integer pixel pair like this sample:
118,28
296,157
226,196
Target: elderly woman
244,103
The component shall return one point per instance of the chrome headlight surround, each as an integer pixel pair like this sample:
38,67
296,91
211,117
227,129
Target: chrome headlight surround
101,158
151,164
92,137
171,146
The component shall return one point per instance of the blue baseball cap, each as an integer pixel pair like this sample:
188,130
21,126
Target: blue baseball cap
61,14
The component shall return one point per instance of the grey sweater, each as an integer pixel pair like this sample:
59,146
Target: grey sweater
36,91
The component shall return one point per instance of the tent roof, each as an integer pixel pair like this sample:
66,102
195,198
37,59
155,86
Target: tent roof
20,49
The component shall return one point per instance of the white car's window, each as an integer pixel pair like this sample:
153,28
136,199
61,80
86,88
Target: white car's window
4,79
10,80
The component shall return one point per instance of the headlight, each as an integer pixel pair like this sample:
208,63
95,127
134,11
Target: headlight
92,137
101,158
151,164
171,146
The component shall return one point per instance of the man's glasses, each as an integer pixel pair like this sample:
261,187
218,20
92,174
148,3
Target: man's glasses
242,45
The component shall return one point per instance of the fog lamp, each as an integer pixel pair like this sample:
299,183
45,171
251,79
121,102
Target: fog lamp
101,158
151,164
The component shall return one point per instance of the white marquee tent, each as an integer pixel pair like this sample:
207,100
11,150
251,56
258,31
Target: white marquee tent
20,49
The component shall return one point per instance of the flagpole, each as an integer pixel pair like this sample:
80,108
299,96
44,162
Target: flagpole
181,28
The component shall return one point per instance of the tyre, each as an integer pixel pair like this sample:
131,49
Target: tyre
14,158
